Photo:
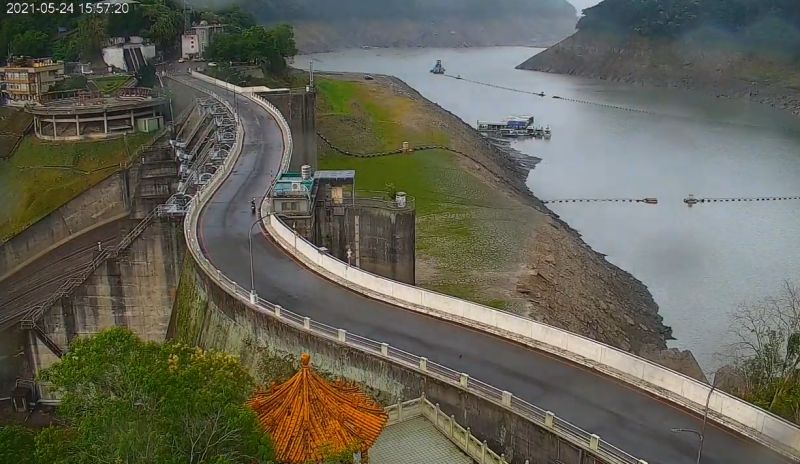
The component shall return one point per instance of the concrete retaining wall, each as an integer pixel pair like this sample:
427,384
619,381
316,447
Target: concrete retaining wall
386,237
106,202
762,426
135,290
208,316
298,107
726,409
730,411
580,439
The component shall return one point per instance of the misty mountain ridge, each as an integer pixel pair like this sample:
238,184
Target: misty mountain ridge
758,25
276,10
323,25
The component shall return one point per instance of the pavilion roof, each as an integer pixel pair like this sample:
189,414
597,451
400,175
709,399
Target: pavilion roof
307,416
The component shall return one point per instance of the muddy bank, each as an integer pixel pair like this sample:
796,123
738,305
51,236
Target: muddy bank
686,64
552,276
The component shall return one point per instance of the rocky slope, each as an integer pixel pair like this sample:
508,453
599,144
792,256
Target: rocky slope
687,62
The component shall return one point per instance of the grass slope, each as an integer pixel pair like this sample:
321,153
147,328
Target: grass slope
13,125
465,228
42,176
110,84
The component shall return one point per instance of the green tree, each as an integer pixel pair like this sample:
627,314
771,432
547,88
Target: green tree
166,23
282,37
767,352
125,400
16,445
92,35
236,18
268,48
67,49
31,43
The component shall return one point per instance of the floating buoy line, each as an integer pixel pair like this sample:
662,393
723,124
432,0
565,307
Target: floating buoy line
588,102
691,200
648,201
542,94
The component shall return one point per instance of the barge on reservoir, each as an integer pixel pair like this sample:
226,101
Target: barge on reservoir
438,68
514,127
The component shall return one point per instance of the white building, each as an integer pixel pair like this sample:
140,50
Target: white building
195,41
128,54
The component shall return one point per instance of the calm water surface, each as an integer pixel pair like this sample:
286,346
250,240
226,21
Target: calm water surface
699,263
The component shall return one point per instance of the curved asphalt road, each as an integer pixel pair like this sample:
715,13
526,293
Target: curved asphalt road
626,417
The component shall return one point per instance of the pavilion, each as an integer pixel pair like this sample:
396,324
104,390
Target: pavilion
311,419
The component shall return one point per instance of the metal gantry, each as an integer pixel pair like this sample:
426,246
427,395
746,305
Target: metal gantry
198,161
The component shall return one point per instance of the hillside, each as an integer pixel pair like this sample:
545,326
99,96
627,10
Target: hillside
322,25
481,234
732,48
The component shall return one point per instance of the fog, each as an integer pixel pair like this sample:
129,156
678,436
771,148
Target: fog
583,4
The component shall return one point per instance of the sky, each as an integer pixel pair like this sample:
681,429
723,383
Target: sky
581,4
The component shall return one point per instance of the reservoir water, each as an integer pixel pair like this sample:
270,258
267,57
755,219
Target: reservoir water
700,263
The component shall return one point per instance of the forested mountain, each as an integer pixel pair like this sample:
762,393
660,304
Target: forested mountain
733,48
271,10
756,24
322,25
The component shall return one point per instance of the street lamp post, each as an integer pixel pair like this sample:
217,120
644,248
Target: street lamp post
701,435
233,88
253,294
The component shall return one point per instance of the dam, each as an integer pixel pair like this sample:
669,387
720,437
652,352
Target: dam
532,391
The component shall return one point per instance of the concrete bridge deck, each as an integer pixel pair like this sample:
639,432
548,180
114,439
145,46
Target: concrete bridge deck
624,416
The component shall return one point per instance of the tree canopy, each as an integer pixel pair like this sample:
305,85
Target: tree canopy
268,48
767,353
759,24
70,36
125,400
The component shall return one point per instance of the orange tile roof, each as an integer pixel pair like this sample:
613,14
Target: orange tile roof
306,416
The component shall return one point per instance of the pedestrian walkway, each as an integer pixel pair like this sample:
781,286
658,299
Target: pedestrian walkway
415,441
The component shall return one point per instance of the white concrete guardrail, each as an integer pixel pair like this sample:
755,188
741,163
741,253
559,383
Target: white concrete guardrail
756,423
234,88
546,419
762,426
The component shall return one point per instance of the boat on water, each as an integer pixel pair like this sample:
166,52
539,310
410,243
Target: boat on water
438,68
691,201
514,127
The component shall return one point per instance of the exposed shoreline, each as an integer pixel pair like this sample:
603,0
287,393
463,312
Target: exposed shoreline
561,279
680,64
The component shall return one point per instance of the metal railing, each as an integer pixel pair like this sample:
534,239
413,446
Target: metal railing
377,202
68,286
446,425
32,314
545,419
